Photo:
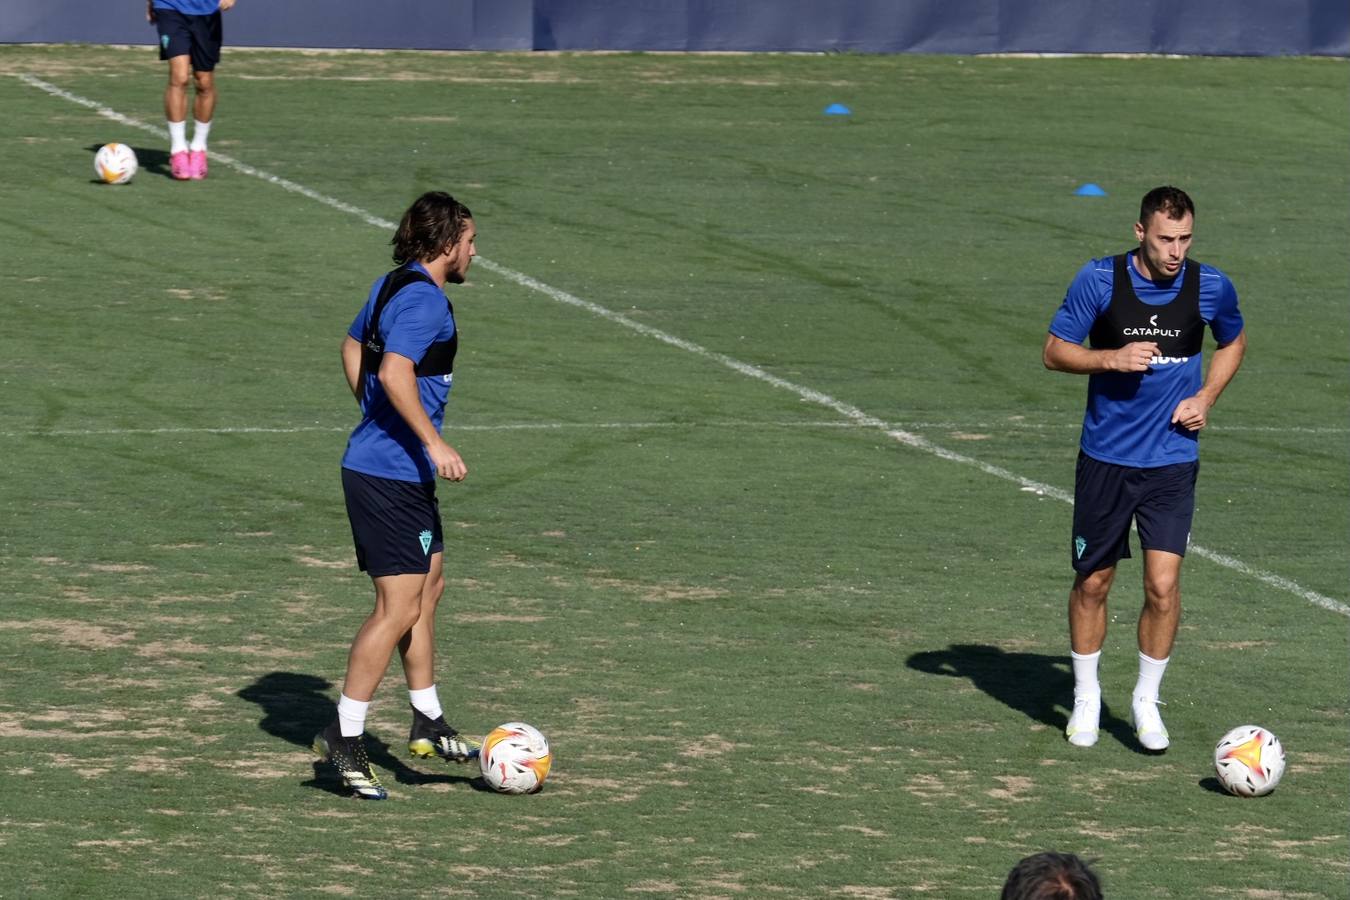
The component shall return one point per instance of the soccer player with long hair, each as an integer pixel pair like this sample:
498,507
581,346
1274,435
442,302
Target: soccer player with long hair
398,357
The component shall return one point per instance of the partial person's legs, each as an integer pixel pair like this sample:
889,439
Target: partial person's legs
1158,622
1087,632
398,603
203,107
417,648
1161,615
175,113
430,734
204,102
175,93
1087,610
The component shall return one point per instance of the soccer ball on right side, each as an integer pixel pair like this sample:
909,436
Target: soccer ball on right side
1249,761
115,163
515,758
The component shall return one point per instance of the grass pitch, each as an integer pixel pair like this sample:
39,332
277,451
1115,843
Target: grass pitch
772,546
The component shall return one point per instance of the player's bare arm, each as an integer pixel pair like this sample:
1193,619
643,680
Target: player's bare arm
1063,356
399,379
226,4
1193,412
150,11
351,365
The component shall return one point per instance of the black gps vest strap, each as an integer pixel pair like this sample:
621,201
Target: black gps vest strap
440,356
1176,326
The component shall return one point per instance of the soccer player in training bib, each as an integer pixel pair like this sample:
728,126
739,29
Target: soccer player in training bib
190,39
398,357
1143,315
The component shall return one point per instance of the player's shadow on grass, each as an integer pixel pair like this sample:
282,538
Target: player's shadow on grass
296,707
1031,683
152,160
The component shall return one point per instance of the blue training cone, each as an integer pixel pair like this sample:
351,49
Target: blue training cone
837,109
1090,190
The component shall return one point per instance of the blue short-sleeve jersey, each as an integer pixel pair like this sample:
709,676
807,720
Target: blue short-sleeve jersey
383,445
189,7
1128,419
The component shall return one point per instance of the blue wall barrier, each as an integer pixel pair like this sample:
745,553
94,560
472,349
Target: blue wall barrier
1197,27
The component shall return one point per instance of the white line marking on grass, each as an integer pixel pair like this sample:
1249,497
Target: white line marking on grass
848,411
1271,579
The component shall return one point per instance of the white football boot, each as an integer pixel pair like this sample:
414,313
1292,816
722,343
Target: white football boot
1082,728
1148,723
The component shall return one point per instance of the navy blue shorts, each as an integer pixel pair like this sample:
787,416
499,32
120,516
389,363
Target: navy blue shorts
195,36
396,525
1106,497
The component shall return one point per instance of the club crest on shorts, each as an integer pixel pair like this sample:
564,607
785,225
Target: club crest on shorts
425,538
1079,546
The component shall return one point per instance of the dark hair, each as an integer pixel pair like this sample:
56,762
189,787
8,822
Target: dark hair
1171,202
1052,876
434,222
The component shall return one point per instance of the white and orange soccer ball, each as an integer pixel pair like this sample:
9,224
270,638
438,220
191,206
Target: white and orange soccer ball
115,163
515,758
1249,761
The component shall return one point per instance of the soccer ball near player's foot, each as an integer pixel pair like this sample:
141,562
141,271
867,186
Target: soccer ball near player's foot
515,758
1249,761
115,163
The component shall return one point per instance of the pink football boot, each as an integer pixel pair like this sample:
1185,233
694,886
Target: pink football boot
197,164
180,166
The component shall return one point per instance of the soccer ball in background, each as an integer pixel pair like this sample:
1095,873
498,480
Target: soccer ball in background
515,758
1249,761
115,163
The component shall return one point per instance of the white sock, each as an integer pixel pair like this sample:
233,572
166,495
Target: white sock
1085,682
199,132
177,137
352,715
1150,677
425,701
